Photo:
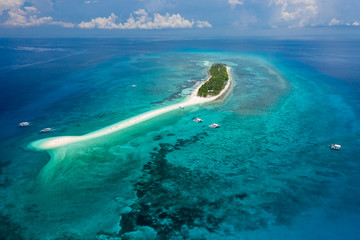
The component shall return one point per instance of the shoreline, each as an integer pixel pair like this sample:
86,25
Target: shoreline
193,99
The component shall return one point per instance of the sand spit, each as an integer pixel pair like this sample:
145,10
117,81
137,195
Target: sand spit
193,99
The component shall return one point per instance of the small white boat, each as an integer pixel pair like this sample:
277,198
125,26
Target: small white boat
335,146
197,120
181,107
169,90
45,130
214,125
133,85
24,124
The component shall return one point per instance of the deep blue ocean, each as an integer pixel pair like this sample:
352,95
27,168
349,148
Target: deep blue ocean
267,173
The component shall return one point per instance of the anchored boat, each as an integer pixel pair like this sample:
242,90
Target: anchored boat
335,146
45,130
214,125
24,124
197,120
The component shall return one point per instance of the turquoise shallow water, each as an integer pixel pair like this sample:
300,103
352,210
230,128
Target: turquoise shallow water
267,173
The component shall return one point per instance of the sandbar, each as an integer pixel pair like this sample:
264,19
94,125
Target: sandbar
193,99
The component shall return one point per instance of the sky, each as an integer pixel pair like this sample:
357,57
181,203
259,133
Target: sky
177,18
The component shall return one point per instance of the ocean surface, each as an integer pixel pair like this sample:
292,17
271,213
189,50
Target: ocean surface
266,173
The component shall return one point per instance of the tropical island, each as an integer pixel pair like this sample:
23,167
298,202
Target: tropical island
216,82
215,86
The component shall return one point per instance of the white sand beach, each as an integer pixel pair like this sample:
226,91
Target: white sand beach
193,99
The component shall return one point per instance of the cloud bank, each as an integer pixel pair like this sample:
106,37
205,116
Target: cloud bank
20,16
141,20
246,14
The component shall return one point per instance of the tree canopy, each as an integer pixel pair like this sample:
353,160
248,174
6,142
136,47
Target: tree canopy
216,83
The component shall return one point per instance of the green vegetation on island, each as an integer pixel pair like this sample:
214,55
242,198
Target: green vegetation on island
216,83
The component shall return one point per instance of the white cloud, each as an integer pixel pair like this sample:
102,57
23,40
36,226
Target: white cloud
10,5
30,9
356,23
20,16
23,18
334,22
142,20
296,13
106,23
167,21
203,24
233,3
